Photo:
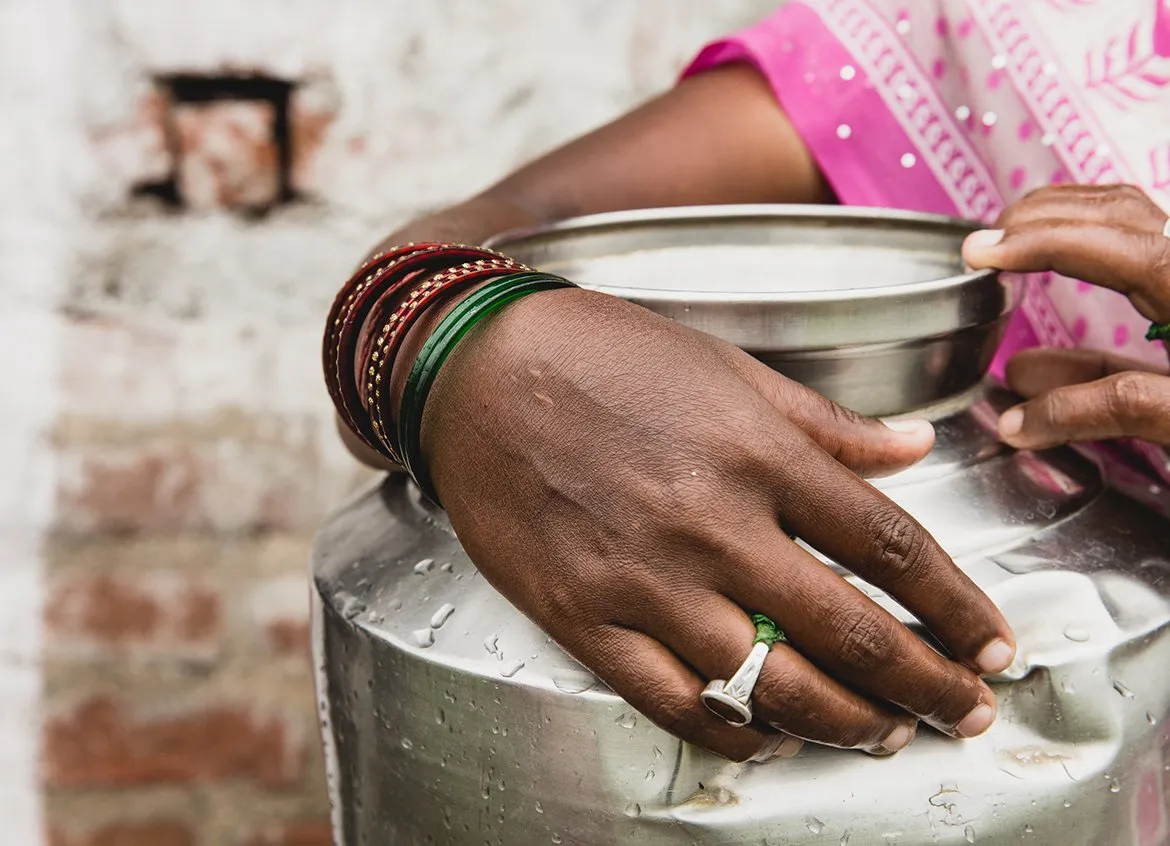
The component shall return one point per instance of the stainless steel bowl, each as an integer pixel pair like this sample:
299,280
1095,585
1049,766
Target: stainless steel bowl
789,283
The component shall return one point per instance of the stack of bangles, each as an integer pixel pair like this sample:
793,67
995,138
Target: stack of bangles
374,311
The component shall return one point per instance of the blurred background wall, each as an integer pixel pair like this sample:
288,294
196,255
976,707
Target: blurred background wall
183,185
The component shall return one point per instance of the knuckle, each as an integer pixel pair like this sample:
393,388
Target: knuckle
865,645
899,550
1131,394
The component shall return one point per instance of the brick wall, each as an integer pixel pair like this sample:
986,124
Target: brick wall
182,185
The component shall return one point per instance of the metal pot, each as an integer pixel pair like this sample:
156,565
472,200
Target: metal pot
449,718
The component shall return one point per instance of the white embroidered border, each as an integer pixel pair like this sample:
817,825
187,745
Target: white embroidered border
1082,147
914,104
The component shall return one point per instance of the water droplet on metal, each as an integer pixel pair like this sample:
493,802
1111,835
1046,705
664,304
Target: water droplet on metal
969,834
351,606
574,681
492,644
442,615
1027,829
539,808
1122,689
633,810
441,717
650,774
424,566
1067,687
1151,719
424,638
556,838
657,754
511,668
814,825
1114,786
407,744
1077,634
1067,803
446,566
844,841
627,720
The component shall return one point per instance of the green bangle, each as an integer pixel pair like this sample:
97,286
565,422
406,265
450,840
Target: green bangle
451,329
1158,332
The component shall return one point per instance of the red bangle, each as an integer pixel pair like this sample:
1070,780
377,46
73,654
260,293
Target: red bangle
387,310
344,301
388,340
386,280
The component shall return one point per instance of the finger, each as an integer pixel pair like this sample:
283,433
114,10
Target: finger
851,638
1037,371
656,683
1124,205
866,446
855,524
792,695
1127,405
1132,261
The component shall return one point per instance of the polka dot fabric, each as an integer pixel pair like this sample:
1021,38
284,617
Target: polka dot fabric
963,106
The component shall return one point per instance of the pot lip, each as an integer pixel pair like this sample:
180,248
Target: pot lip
835,216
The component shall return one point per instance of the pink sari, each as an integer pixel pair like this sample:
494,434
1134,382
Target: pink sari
960,107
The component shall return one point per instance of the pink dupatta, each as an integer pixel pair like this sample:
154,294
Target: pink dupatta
959,107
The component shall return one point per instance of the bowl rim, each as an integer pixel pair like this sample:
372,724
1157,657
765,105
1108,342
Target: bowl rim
856,216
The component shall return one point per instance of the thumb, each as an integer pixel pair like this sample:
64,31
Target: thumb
979,248
867,446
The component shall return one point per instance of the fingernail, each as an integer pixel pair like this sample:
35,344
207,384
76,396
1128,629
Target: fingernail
996,657
976,722
896,741
912,426
1011,422
984,238
781,746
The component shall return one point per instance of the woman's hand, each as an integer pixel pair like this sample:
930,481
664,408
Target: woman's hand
628,483
1113,236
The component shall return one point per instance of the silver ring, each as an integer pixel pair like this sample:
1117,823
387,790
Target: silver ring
732,699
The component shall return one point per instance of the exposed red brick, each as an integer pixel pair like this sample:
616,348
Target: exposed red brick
151,833
103,743
312,110
158,611
277,612
304,833
227,155
124,490
228,478
289,637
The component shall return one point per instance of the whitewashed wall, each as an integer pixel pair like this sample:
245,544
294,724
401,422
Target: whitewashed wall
165,443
